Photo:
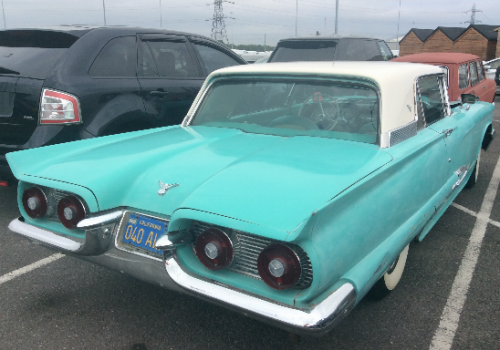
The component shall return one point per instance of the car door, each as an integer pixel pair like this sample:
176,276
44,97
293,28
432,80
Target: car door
460,135
110,94
476,88
169,75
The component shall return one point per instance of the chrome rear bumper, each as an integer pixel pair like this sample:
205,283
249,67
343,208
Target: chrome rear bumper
315,320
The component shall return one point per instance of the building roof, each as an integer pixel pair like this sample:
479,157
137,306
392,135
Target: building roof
486,30
422,34
437,57
451,32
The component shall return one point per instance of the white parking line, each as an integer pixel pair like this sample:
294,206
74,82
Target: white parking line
11,275
443,338
470,212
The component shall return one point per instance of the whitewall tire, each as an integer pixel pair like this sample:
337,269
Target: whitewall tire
391,278
475,173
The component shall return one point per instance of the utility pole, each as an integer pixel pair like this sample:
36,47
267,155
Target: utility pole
218,25
161,20
399,18
296,15
3,11
104,10
473,15
337,17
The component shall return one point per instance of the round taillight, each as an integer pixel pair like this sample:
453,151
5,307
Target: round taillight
70,211
279,266
214,249
34,202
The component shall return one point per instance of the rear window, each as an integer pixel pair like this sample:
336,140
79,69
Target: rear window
30,53
291,51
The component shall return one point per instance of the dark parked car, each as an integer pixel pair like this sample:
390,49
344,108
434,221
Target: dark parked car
69,83
331,48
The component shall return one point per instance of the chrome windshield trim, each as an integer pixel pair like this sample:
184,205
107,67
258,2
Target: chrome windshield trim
100,220
318,319
43,236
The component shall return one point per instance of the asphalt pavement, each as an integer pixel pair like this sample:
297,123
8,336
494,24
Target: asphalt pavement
66,303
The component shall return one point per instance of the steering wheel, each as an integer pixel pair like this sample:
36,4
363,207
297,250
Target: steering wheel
297,123
323,110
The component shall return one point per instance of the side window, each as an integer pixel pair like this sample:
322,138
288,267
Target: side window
430,101
473,73
495,64
116,60
463,76
372,51
351,50
480,71
214,59
384,49
161,58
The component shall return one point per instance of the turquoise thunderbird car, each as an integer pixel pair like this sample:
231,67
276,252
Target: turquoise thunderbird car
288,193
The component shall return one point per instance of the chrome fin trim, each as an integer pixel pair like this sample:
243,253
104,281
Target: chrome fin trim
101,220
316,320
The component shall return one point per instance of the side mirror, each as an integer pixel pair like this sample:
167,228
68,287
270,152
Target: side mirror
469,98
487,66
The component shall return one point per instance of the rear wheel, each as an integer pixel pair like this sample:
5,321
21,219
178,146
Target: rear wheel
391,278
475,173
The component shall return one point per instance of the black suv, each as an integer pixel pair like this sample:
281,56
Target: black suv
331,48
69,83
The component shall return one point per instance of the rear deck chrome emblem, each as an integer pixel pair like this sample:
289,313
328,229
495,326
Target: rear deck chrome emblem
165,187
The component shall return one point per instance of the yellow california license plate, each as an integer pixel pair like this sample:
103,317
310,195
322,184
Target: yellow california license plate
143,232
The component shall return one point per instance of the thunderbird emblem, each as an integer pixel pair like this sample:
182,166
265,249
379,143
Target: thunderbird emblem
165,187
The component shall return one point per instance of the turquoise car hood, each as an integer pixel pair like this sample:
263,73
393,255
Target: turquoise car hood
267,180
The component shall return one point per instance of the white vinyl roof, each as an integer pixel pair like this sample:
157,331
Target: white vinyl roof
396,81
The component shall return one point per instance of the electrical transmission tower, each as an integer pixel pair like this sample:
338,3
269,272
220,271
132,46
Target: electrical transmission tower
218,25
473,15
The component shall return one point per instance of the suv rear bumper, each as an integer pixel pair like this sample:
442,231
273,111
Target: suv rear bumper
44,135
5,172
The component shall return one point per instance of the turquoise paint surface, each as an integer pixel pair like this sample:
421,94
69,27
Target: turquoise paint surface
275,182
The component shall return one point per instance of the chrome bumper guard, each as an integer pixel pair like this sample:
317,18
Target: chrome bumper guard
98,234
316,320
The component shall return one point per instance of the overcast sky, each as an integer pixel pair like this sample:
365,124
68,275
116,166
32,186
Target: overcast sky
254,21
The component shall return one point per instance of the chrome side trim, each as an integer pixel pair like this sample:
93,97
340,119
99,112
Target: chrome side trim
100,220
43,236
315,320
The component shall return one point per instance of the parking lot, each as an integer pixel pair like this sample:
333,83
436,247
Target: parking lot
448,297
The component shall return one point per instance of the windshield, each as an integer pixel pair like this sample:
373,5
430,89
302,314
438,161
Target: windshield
332,109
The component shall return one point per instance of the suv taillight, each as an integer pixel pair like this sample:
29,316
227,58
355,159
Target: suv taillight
59,108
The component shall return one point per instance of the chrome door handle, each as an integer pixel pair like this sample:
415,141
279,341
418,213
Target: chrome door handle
447,132
158,93
462,174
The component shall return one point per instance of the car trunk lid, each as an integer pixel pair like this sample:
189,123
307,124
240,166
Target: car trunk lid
268,180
